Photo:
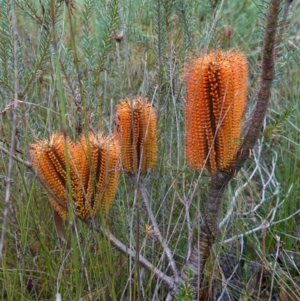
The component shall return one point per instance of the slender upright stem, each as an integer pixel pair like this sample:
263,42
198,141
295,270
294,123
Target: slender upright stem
137,242
157,232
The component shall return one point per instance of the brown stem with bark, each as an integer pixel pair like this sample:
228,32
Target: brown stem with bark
208,228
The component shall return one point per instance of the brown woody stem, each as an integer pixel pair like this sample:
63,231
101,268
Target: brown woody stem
266,80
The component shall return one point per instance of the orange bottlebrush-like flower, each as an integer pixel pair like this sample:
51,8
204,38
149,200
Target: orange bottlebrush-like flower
48,157
93,172
216,97
96,174
135,132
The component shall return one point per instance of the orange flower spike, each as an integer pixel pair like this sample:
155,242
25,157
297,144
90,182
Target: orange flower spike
123,134
108,180
223,114
48,157
148,142
235,67
94,173
105,163
199,133
138,146
216,97
81,191
96,160
239,70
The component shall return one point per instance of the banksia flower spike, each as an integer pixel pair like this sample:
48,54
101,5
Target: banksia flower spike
93,164
96,174
48,157
135,131
216,96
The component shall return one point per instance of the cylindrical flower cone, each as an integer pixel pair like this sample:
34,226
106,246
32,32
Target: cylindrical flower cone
216,96
48,157
96,174
135,131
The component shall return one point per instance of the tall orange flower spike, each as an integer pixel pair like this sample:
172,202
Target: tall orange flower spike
93,172
96,174
48,157
216,96
135,131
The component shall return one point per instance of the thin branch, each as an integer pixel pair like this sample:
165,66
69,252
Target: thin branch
37,66
266,80
271,182
265,223
168,281
235,198
157,231
83,265
284,20
238,264
279,245
186,204
266,184
256,229
4,83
